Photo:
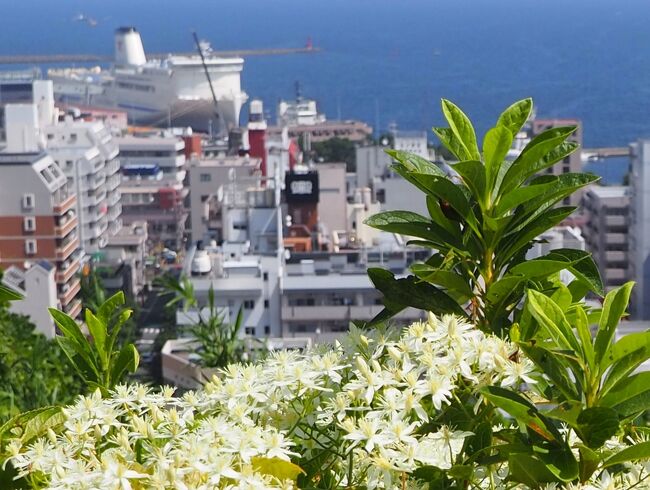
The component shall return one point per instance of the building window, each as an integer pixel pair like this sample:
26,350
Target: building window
267,330
28,201
205,177
266,303
249,304
265,276
249,330
29,223
30,247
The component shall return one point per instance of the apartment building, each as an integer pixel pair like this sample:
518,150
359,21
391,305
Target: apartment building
84,151
153,171
38,221
606,231
217,182
639,229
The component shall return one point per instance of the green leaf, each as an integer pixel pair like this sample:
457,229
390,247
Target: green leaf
631,397
473,174
442,188
638,452
614,308
542,151
551,318
413,224
127,359
80,358
543,192
453,144
496,144
437,216
115,330
276,467
109,306
8,294
553,367
586,341
543,223
98,331
582,267
409,292
625,346
534,469
522,410
462,128
415,163
68,327
515,116
445,278
596,425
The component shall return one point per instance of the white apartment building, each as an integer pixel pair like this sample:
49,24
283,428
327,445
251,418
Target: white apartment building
639,229
152,187
606,231
220,181
86,153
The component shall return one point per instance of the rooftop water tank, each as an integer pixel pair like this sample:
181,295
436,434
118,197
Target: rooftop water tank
201,264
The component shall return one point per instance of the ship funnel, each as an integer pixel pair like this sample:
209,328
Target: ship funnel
128,47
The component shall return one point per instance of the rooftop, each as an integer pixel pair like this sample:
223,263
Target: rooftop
604,192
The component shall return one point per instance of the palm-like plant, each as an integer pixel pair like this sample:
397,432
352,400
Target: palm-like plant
482,221
219,342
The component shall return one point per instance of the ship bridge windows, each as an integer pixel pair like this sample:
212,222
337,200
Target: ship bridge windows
136,86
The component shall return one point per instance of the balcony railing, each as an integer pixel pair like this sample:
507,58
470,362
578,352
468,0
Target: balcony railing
70,293
63,275
65,205
73,309
64,250
65,226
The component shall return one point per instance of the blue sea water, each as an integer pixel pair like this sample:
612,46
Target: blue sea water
389,61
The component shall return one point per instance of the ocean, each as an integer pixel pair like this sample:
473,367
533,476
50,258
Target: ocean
390,61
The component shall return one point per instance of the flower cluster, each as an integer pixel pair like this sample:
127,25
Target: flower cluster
382,409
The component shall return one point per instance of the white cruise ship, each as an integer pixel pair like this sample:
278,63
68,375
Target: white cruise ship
170,91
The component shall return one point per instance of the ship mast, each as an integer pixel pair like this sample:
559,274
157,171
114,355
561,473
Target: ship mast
207,74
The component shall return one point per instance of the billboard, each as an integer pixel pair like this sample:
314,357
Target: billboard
301,187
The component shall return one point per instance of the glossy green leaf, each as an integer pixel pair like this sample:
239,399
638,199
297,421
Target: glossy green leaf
98,331
638,452
533,469
462,128
109,306
515,116
68,327
126,360
614,307
413,224
553,367
586,341
551,318
631,397
522,410
8,294
596,425
437,216
452,143
496,144
582,267
409,292
447,279
546,221
415,163
473,174
539,153
80,357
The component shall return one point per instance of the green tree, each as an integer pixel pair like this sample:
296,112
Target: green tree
336,150
483,220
